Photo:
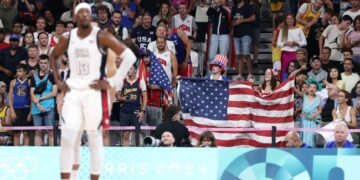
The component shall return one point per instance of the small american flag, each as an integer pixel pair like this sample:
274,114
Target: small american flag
219,104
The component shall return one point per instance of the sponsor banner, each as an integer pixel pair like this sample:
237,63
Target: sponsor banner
187,163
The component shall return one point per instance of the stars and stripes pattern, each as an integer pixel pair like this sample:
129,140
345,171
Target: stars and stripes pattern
212,104
158,75
220,60
205,98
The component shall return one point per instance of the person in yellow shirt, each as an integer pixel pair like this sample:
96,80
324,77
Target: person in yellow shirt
308,14
4,121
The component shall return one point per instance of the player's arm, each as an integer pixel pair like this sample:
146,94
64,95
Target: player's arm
128,58
110,63
56,53
11,103
174,66
186,41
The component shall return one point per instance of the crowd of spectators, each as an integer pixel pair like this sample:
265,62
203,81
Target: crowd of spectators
314,42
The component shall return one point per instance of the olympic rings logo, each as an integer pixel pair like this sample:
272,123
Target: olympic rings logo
17,167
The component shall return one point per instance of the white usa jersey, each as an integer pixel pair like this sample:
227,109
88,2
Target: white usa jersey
86,60
165,61
184,25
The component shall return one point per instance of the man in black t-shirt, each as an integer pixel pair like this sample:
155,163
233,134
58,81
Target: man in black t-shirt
10,57
326,64
243,17
173,125
329,104
144,34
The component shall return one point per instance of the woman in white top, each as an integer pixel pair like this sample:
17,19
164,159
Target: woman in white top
290,39
344,112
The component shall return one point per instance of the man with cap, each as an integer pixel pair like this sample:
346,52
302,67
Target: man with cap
316,71
218,67
10,58
86,103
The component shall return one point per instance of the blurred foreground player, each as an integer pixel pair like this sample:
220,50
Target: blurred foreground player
86,100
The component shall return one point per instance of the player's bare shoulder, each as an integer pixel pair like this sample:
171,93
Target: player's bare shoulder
66,35
105,35
106,39
64,40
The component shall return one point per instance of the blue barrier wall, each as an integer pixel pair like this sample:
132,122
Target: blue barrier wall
188,163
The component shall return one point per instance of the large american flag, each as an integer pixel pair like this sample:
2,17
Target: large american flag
218,104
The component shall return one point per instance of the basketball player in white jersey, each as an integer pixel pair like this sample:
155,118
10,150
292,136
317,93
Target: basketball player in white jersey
85,99
167,60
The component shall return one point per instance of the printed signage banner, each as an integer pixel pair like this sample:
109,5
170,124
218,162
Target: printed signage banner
188,163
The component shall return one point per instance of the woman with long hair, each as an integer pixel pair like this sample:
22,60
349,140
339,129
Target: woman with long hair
290,39
345,112
270,82
164,13
293,65
334,77
207,139
28,39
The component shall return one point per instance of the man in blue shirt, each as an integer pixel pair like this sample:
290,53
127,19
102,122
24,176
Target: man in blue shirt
340,133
